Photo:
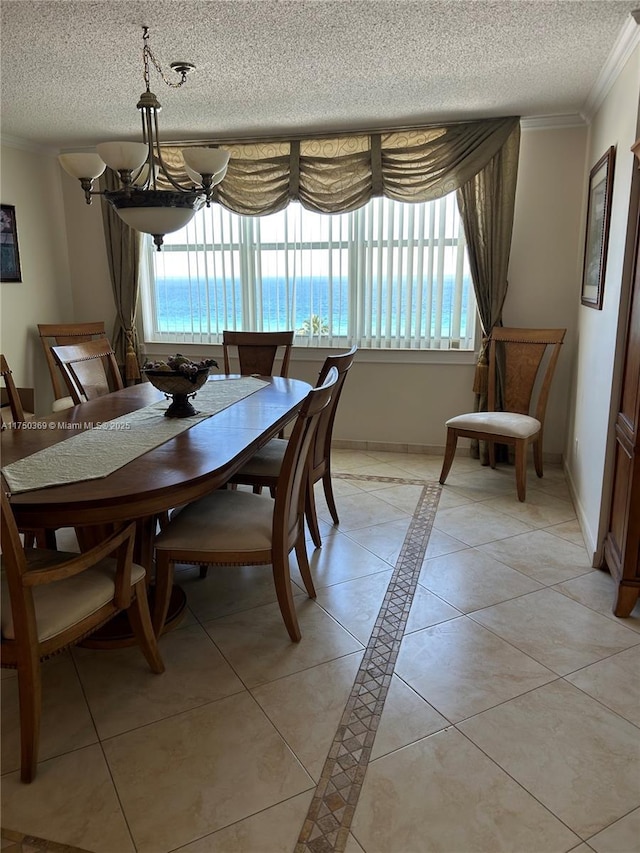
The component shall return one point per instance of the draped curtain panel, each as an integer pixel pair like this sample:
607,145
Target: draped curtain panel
123,252
486,203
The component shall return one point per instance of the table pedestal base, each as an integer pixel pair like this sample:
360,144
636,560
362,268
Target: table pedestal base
117,633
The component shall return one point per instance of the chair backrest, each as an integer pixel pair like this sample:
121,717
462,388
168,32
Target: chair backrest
14,565
90,369
15,403
289,501
61,334
527,359
257,351
322,442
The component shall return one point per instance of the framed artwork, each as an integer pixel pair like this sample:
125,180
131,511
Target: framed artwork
9,254
597,233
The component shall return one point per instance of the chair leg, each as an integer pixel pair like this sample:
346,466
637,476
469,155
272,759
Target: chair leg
521,469
311,514
328,493
30,697
140,620
282,583
537,454
163,585
449,453
40,539
491,450
303,565
203,571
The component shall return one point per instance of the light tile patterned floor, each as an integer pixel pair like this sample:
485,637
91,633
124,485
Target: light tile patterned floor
510,724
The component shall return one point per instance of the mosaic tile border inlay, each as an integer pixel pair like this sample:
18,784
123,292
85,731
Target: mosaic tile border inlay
18,842
326,828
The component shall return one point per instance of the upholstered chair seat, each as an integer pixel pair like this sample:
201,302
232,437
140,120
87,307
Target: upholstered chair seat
243,523
508,424
66,603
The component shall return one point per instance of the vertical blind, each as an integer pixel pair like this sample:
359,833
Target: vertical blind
387,275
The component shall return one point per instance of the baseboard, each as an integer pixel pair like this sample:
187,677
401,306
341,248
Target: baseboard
589,539
388,447
426,449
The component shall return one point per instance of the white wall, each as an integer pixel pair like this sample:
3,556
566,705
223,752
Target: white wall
30,180
88,266
544,269
595,391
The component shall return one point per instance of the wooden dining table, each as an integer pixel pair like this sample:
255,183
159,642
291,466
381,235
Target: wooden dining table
197,461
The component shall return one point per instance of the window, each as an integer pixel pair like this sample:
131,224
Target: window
388,275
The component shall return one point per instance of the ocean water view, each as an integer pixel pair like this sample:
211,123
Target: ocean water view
201,307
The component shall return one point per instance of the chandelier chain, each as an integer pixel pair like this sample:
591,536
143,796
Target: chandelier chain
147,54
149,198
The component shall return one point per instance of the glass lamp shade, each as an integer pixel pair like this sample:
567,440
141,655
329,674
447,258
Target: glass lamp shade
80,165
119,156
206,161
196,177
155,212
156,220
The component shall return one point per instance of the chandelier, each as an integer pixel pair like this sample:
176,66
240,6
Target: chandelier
141,169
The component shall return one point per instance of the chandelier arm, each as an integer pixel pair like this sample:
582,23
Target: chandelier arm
87,186
163,165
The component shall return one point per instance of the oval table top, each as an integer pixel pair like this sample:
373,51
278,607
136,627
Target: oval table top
195,462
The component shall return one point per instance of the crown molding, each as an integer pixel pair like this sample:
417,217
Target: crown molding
553,122
26,145
626,43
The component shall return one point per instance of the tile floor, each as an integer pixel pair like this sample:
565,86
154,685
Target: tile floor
512,721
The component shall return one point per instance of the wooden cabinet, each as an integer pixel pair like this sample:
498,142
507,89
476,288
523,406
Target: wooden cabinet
622,545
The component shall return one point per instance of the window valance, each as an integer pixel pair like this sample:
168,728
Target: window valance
341,173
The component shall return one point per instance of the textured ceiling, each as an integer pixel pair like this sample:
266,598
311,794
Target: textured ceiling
72,71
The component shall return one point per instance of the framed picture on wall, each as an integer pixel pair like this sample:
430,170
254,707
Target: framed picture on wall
9,254
597,232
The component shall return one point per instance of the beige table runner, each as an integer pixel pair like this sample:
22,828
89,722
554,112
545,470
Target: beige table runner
100,451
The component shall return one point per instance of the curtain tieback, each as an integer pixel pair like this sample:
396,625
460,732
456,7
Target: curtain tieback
131,366
481,378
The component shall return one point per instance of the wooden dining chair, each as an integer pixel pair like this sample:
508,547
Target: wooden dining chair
51,600
44,538
13,398
238,528
263,469
256,352
90,369
63,334
527,360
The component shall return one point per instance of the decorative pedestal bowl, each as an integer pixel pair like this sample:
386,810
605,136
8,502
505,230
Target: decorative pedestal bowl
179,387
